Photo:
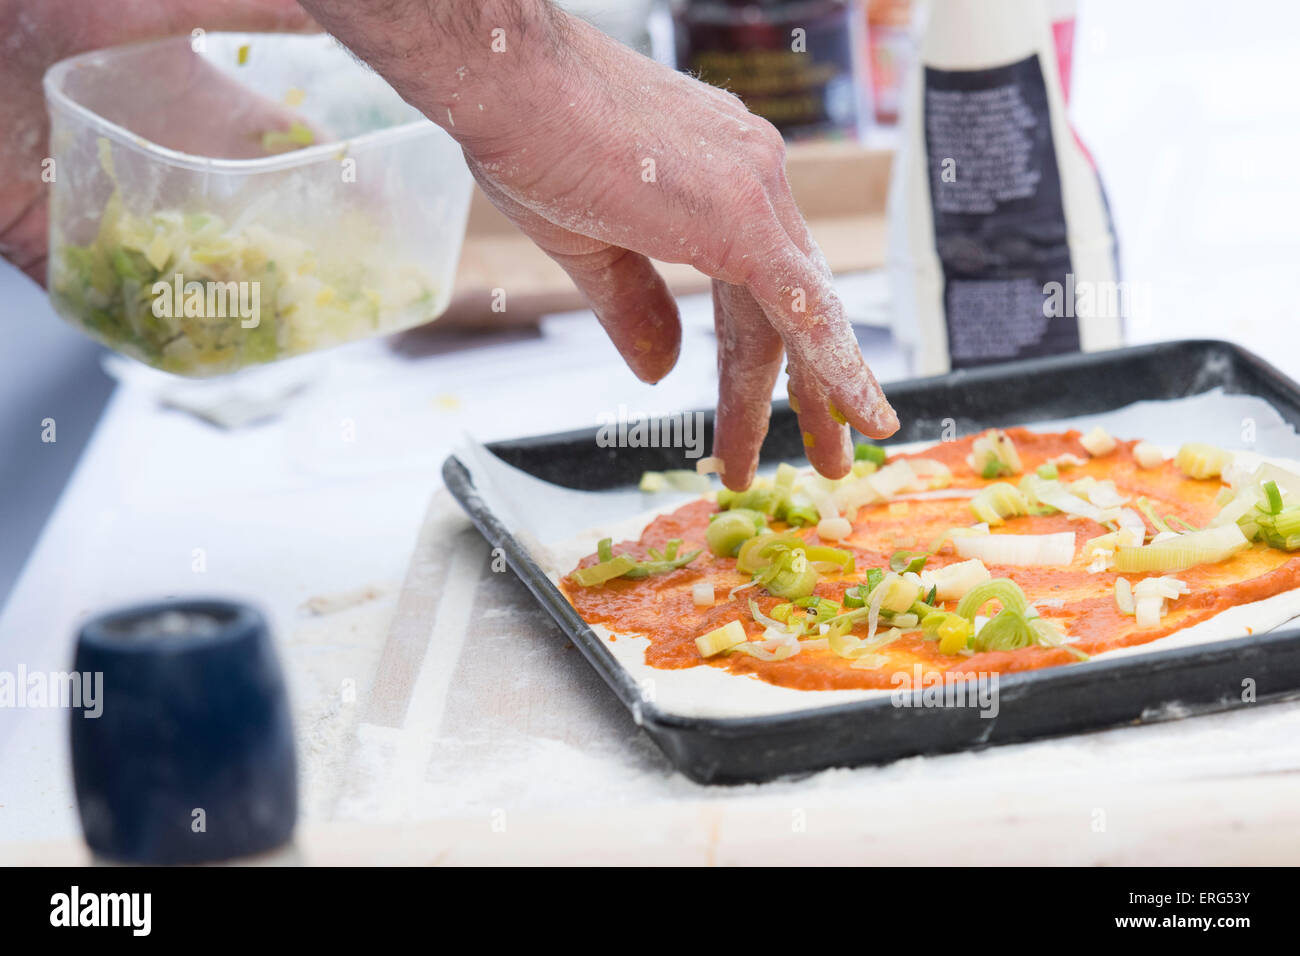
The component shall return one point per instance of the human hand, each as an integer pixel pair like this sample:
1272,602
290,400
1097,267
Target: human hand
39,33
607,159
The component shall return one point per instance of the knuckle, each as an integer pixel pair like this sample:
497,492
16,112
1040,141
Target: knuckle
768,143
771,137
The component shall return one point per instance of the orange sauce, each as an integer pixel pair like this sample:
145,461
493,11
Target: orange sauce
1081,603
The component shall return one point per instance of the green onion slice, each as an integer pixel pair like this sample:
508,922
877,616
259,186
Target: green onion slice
1003,590
1274,497
903,561
867,452
611,565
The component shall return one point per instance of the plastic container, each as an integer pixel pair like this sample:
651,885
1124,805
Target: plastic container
189,231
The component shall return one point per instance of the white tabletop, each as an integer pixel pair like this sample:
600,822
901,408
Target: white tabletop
1194,149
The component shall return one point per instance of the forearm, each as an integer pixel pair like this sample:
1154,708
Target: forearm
25,141
478,68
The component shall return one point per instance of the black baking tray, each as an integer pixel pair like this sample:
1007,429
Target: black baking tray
1061,700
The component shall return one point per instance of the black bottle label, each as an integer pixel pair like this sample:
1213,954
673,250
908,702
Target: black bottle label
999,222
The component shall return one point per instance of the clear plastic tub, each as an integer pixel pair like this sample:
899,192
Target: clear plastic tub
189,231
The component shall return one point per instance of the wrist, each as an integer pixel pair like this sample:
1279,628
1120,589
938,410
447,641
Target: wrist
477,68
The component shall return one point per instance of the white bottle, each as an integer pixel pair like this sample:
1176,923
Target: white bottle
1000,242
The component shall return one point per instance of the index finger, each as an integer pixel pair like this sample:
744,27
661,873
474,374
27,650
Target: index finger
798,299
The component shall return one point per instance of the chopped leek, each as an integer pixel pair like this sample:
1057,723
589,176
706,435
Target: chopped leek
610,565
1182,551
1049,635
1238,510
931,474
1198,460
874,577
1150,597
652,482
785,477
994,455
994,469
1052,494
1098,442
237,293
1048,471
820,610
1019,549
778,499
721,639
775,648
1274,497
604,571
1147,455
770,623
296,136
1003,590
834,529
792,576
853,648
897,593
997,502
1124,596
662,564
834,558
1008,631
1149,513
758,553
728,530
1281,530
1017,625
760,496
675,479
1102,493
785,565
914,561
799,514
952,583
952,631
867,452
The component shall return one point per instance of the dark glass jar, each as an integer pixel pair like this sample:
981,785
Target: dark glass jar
793,63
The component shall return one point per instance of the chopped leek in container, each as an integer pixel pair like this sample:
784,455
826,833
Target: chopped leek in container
192,294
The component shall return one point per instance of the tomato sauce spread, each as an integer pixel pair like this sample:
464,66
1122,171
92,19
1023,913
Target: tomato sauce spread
1081,603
